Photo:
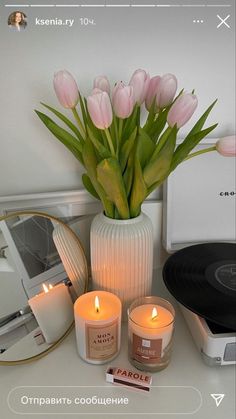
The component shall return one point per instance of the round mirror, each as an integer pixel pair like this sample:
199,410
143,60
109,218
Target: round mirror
43,270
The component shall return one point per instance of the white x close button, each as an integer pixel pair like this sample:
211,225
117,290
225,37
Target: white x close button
223,21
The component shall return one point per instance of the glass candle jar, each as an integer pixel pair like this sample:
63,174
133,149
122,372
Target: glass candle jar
150,329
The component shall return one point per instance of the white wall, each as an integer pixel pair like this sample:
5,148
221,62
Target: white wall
31,160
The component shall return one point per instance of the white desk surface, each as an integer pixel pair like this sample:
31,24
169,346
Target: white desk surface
24,348
63,367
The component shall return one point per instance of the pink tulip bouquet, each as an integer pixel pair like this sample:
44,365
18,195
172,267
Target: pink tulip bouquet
124,161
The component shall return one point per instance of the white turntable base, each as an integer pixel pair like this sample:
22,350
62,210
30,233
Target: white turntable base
216,349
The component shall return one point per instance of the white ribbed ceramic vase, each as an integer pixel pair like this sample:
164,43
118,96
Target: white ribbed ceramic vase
122,257
72,257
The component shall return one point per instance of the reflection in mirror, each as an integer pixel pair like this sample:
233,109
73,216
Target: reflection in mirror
43,269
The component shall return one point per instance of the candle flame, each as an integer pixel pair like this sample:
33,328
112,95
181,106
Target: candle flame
97,305
45,288
50,286
154,313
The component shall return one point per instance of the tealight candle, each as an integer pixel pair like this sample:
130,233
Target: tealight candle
151,326
53,310
97,325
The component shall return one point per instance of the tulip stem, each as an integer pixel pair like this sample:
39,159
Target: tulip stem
116,129
77,118
120,128
205,150
117,137
109,139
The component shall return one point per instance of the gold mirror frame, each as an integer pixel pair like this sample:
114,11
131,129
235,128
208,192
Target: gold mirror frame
49,217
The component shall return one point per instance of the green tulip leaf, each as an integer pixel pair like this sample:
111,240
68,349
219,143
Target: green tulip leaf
200,123
126,149
110,177
91,162
128,174
151,114
160,163
89,186
139,189
77,154
114,132
143,153
64,119
100,148
145,147
155,128
83,110
188,145
162,140
131,122
62,135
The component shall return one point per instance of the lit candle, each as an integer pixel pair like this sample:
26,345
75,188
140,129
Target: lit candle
97,325
53,310
151,325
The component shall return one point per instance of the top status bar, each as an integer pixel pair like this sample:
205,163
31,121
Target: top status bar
132,5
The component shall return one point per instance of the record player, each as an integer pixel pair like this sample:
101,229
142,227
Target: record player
199,206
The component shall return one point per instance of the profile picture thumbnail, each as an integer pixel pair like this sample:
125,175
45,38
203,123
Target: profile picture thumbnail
17,21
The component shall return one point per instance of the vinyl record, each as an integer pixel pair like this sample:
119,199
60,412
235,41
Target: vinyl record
203,278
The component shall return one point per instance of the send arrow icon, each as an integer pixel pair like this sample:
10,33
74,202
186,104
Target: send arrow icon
218,398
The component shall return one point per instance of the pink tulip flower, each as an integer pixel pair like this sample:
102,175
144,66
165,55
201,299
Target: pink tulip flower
166,90
140,82
118,85
66,89
100,110
226,146
102,83
182,110
152,92
95,91
123,100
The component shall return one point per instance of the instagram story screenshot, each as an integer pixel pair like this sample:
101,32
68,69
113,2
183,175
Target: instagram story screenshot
117,209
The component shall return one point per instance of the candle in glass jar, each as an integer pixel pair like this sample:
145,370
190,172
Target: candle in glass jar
53,310
151,324
97,325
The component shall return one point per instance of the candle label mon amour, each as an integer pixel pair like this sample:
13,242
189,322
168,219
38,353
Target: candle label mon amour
101,342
